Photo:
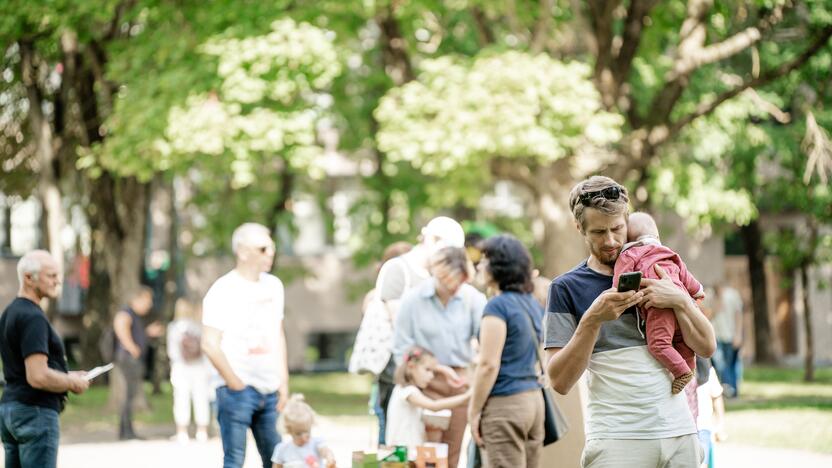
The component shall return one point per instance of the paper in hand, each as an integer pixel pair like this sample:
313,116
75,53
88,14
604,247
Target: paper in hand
93,373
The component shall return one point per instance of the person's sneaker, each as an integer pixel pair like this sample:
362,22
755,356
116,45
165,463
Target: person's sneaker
180,437
131,436
201,436
680,382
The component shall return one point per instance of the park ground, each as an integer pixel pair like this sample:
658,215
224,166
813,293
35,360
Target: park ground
779,421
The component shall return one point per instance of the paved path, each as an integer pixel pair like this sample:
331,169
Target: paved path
344,435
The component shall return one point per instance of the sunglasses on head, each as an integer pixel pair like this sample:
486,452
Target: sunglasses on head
609,193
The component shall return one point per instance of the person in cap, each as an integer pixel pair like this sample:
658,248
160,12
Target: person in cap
443,314
408,271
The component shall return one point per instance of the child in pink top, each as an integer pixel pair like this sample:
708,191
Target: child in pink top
642,252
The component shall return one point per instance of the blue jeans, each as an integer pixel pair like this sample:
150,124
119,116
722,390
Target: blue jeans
728,364
239,411
30,435
707,447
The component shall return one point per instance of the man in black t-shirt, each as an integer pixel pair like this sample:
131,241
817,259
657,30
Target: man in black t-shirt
34,367
131,346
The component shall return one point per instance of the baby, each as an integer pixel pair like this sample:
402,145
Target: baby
664,339
301,450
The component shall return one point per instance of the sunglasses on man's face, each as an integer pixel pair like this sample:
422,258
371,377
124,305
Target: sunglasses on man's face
264,249
609,193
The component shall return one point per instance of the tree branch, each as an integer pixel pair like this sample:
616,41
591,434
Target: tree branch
541,28
765,78
115,24
631,37
730,46
396,59
692,37
692,54
601,22
515,171
485,35
513,22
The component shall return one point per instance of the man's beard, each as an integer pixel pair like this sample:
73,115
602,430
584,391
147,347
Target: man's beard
605,259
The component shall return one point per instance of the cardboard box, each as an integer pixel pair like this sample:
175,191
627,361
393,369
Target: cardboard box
364,460
432,455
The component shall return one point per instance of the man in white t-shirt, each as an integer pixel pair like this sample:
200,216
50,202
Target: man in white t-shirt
243,338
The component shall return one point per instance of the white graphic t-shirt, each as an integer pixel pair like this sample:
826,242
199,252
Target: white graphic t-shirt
249,314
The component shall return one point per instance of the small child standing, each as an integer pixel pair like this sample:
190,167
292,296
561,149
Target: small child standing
404,414
302,450
643,252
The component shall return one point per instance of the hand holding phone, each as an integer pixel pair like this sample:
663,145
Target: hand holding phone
629,281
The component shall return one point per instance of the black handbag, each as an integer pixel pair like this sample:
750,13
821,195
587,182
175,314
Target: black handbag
554,422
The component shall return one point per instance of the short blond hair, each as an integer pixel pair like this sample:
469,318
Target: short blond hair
297,415
621,206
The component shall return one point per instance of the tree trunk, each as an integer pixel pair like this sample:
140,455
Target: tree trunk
6,248
752,239
563,245
809,358
174,273
117,212
46,151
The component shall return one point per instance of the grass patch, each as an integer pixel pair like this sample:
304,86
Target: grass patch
786,374
800,429
89,410
334,394
778,388
331,394
777,409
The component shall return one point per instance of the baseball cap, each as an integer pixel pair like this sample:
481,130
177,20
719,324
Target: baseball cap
448,231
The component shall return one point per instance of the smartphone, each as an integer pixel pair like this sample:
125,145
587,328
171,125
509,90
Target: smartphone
629,281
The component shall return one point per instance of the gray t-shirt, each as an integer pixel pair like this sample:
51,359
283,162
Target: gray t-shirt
292,456
398,275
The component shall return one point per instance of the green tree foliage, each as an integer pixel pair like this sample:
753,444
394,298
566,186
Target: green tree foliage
463,113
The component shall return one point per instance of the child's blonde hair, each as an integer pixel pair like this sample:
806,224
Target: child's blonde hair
414,355
297,415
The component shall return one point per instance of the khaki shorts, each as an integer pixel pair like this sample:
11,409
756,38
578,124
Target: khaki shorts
673,452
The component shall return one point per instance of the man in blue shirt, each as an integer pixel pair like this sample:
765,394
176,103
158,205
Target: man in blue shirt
632,418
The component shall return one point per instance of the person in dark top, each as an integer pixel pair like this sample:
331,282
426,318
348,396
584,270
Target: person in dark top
131,345
506,409
34,366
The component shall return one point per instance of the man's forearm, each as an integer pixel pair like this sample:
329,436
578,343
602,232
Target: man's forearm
567,365
52,381
697,330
